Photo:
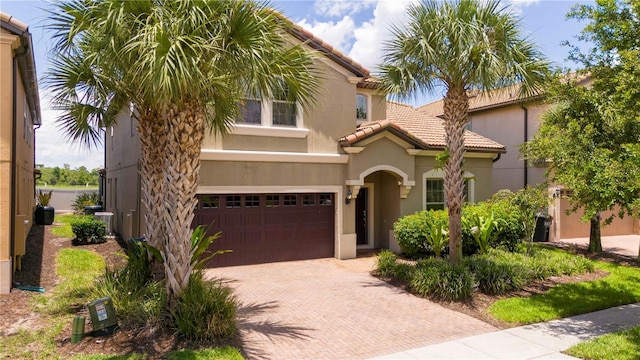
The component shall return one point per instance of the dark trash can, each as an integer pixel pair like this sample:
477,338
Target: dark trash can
541,232
92,210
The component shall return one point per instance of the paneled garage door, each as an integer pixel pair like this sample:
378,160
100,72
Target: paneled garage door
262,228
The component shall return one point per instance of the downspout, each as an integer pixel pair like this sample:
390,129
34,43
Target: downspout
13,206
526,138
498,156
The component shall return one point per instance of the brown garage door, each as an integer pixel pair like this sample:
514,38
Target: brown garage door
262,228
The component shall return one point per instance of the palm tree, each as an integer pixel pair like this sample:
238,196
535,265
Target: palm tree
459,45
182,68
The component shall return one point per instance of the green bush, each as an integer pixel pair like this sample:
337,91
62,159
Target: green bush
88,230
205,310
386,263
411,231
83,200
511,229
138,300
437,278
498,273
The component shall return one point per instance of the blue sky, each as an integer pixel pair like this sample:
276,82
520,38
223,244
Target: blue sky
356,27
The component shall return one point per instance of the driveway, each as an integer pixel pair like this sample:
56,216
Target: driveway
332,309
622,244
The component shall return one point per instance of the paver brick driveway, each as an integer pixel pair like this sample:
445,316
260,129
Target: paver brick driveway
331,309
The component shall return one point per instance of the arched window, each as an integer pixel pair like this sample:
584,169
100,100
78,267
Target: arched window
433,191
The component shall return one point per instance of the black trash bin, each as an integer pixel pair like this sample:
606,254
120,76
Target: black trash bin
92,210
541,232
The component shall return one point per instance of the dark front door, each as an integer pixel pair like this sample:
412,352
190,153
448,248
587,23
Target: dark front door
362,217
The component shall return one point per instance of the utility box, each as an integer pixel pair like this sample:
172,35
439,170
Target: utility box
107,219
103,315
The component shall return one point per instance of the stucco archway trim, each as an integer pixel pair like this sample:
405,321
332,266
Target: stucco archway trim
405,184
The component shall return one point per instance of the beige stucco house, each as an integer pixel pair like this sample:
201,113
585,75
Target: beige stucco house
19,114
512,120
322,181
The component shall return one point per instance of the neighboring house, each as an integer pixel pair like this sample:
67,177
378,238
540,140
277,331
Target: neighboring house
309,182
19,113
512,120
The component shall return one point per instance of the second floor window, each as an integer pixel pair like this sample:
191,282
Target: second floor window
361,107
276,112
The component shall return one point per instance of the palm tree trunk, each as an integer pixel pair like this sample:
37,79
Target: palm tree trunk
185,133
595,238
153,143
456,106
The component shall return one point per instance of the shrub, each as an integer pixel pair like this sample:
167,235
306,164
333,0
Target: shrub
88,230
205,310
411,231
386,263
498,272
138,300
437,278
83,200
510,232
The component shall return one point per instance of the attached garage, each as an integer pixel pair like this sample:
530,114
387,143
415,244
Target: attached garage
263,228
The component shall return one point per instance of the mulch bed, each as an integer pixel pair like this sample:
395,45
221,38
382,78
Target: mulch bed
38,269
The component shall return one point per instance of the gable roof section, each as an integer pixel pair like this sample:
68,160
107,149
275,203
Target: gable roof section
423,131
335,55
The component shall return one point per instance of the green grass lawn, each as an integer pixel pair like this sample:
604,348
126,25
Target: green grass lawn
63,226
78,270
621,287
68,187
623,345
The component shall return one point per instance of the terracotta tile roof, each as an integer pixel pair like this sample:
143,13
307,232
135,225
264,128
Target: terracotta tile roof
423,131
499,97
479,101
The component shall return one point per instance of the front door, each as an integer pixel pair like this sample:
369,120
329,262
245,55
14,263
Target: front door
362,217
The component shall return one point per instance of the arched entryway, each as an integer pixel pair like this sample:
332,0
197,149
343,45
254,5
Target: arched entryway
378,194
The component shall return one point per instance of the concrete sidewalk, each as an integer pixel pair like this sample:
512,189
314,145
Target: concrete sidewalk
536,341
622,244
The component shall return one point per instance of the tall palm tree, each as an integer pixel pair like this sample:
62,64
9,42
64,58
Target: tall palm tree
459,45
182,67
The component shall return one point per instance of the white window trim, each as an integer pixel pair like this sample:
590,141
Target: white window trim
267,128
439,174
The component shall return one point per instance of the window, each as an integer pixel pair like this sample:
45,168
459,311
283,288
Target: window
252,201
277,112
250,111
284,111
324,199
233,201
361,108
273,200
435,194
308,200
209,202
434,198
290,200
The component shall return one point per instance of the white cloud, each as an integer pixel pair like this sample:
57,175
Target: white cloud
517,6
338,8
52,148
367,48
337,34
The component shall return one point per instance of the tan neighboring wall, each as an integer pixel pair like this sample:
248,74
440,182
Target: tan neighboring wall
19,96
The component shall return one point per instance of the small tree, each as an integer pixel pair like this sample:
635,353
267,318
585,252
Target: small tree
592,135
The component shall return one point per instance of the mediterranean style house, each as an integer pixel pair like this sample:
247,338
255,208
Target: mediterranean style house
513,120
309,182
19,117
